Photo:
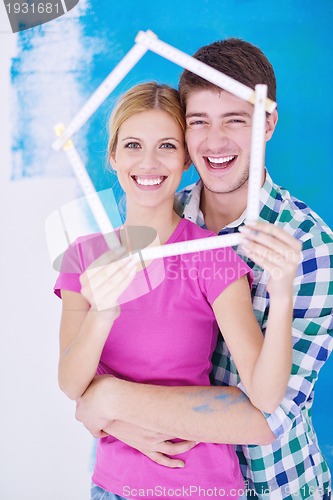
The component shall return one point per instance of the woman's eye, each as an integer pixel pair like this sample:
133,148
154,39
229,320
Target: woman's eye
132,145
168,145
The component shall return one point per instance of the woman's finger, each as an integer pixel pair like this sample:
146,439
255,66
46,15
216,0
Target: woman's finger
109,257
96,277
109,293
104,291
113,273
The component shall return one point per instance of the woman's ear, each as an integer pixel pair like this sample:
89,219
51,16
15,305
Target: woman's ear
112,160
271,122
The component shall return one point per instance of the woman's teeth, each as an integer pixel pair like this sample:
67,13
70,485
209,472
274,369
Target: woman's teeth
143,181
220,162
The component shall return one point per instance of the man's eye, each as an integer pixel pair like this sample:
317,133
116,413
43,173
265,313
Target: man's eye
168,145
132,145
196,122
236,121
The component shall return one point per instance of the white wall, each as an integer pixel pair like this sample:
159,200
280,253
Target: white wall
44,451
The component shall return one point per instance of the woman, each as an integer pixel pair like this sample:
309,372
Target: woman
167,336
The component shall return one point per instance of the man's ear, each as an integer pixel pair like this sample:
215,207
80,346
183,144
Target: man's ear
271,122
188,160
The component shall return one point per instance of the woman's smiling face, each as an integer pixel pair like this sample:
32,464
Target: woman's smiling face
149,157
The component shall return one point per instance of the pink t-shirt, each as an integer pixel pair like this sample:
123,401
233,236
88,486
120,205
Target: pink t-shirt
166,337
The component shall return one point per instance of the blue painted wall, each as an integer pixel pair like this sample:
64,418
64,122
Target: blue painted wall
296,37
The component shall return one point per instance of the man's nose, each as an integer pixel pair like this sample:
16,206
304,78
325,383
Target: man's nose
216,137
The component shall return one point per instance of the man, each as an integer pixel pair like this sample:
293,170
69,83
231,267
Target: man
280,457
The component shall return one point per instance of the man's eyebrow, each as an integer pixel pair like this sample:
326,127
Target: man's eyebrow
189,115
222,115
236,113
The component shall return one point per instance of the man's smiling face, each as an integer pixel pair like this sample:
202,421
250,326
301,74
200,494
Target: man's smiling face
218,136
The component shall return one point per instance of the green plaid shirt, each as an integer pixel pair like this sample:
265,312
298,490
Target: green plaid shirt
292,467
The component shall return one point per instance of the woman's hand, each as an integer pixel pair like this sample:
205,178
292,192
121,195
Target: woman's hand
107,278
276,251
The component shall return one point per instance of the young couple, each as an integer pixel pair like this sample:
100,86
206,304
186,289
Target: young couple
160,422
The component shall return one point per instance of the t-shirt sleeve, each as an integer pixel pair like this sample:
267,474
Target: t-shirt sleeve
219,269
70,269
67,281
78,256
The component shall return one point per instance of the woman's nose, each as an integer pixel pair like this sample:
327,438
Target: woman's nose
149,160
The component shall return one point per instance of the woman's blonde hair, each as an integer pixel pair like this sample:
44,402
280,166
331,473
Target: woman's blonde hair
144,97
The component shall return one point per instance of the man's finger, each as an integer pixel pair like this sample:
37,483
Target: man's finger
103,434
265,240
278,232
175,448
97,433
161,459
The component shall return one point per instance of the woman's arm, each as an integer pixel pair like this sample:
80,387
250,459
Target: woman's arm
264,365
87,318
83,333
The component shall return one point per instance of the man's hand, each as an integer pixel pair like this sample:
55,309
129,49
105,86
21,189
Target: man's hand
276,251
154,445
91,412
90,408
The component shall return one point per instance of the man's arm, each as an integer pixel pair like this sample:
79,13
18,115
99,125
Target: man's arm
201,414
312,330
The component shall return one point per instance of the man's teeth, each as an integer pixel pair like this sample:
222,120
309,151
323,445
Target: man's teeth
149,182
221,160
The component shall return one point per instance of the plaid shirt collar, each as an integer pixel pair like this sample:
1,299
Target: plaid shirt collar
270,203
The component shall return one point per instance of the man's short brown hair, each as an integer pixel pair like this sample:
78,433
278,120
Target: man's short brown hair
236,58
